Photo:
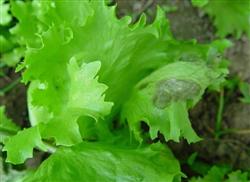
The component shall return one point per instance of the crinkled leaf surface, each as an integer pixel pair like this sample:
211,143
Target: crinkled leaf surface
123,49
162,99
83,96
65,39
85,92
101,162
99,36
20,147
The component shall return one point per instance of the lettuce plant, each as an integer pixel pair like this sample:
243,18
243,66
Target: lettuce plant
93,79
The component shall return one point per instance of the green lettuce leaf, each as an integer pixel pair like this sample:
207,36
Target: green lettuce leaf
229,17
84,98
163,98
102,162
20,147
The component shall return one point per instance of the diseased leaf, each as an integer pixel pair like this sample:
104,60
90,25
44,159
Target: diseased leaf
102,162
174,90
163,98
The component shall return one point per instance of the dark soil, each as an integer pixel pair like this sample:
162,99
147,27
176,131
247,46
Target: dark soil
15,99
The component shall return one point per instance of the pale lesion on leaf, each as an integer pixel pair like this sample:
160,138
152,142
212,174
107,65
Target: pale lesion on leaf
173,90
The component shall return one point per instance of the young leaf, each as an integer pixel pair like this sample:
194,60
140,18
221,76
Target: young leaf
85,92
83,96
20,147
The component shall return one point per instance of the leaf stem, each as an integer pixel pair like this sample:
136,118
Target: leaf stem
219,115
9,87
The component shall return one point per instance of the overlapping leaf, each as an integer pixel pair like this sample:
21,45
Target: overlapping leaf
85,98
101,162
162,99
20,147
